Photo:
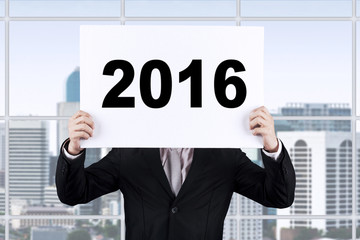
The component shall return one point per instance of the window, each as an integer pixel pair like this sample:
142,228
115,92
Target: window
309,84
2,67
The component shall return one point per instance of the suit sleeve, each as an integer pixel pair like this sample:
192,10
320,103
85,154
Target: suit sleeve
271,186
76,184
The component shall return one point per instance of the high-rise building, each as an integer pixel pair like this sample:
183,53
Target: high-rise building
50,197
54,212
2,168
73,86
2,201
315,109
2,146
230,231
28,165
323,163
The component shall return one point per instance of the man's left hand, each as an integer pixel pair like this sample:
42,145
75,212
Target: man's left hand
262,123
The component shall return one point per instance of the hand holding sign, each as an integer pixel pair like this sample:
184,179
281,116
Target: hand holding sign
262,123
175,86
80,126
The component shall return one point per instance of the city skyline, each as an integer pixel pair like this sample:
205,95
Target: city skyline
232,225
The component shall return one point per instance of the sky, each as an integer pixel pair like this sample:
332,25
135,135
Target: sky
304,61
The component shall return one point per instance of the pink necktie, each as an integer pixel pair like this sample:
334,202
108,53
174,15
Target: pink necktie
173,171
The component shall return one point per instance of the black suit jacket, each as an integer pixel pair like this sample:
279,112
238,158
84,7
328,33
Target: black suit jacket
152,212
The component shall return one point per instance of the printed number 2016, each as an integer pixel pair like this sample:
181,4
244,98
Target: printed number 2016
193,71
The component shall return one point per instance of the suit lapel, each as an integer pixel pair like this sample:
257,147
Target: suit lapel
154,160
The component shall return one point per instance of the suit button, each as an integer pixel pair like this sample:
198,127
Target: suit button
174,210
285,171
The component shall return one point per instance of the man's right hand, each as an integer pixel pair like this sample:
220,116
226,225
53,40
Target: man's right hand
80,126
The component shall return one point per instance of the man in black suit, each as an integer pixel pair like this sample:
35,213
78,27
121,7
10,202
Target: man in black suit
161,204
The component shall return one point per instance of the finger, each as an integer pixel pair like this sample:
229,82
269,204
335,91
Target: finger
265,110
257,113
261,109
81,113
84,120
257,122
83,127
79,135
262,131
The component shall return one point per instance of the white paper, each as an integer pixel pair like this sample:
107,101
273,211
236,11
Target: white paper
176,124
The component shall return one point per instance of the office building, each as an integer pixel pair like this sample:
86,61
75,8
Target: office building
2,201
2,146
28,165
47,211
73,86
51,198
315,109
46,233
323,163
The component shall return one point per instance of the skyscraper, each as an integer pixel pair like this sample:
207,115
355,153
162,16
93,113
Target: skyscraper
73,86
2,146
28,165
315,109
323,163
2,167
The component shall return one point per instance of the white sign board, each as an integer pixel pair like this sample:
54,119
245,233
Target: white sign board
171,86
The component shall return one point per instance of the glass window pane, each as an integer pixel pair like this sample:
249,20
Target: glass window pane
187,8
296,8
70,8
358,67
307,60
2,68
197,23
321,153
2,169
299,229
233,208
33,150
70,229
358,164
311,228
2,7
44,73
230,230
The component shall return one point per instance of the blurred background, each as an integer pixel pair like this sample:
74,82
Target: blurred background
311,89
